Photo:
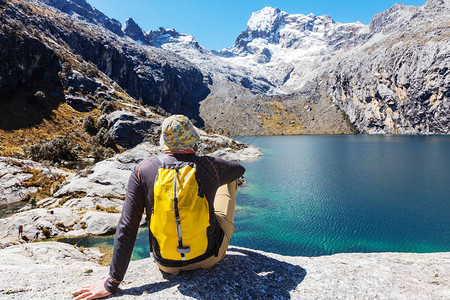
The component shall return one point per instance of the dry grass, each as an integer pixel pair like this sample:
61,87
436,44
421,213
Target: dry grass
109,209
45,184
64,121
279,120
76,195
107,257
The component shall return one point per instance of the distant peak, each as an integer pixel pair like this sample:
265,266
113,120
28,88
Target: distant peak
130,21
132,29
265,19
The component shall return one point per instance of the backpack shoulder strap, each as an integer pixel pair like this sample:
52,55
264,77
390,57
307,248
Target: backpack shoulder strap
214,168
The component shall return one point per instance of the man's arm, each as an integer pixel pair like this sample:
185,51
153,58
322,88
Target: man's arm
126,232
125,238
227,171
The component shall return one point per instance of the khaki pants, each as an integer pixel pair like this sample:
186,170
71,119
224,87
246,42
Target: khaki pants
224,207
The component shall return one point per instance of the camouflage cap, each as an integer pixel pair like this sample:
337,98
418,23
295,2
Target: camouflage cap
178,133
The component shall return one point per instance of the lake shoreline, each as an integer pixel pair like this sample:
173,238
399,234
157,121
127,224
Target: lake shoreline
88,202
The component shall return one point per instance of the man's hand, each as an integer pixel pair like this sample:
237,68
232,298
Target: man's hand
93,291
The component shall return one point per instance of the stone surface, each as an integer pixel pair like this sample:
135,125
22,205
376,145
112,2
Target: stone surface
48,253
130,130
99,223
15,177
243,274
38,222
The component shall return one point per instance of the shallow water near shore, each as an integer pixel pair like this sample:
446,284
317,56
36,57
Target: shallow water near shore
10,209
319,195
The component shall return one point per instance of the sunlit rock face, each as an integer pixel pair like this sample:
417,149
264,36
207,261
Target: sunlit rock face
389,76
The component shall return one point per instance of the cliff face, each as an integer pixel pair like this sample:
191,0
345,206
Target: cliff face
40,42
399,80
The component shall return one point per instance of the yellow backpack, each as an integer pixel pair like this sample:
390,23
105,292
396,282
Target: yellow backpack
180,216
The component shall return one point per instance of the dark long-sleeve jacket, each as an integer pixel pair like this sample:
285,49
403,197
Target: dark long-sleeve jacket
211,173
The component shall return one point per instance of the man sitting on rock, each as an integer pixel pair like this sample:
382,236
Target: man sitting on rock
178,176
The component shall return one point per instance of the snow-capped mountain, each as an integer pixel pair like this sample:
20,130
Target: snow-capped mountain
289,46
273,54
313,59
271,27
285,74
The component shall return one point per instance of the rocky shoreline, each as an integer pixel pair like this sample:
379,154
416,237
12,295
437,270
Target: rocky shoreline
52,270
88,202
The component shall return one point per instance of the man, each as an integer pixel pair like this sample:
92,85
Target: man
20,227
217,179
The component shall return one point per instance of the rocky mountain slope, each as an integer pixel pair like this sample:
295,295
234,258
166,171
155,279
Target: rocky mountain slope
400,79
59,66
390,76
285,74
76,43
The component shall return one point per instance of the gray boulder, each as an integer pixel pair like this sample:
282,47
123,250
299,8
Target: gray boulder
130,130
99,223
108,178
80,103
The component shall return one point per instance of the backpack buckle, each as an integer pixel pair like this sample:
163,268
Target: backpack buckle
183,249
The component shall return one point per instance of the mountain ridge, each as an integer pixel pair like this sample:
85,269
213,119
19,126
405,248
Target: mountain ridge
285,54
272,80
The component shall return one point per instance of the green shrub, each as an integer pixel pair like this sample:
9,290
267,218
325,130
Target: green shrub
102,122
107,107
105,138
89,125
98,152
32,201
46,232
57,150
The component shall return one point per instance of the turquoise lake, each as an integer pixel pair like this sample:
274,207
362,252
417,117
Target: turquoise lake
319,195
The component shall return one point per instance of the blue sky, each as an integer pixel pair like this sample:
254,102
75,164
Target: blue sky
215,24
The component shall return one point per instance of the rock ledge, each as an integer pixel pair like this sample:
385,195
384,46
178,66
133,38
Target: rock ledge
243,274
